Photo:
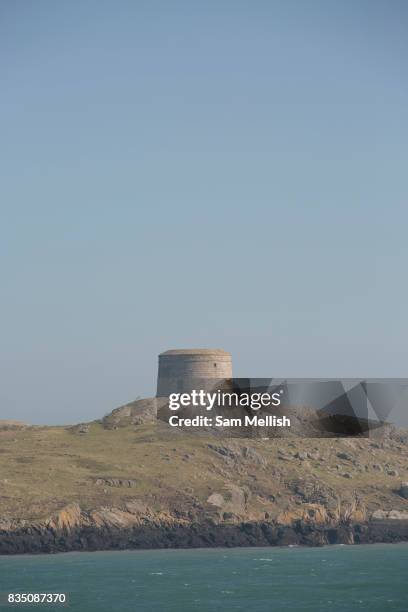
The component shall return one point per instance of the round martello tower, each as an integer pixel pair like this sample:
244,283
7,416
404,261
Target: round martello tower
181,370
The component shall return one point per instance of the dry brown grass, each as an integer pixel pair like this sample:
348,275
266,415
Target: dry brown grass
44,468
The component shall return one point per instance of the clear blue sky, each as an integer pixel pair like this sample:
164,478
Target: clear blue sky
199,174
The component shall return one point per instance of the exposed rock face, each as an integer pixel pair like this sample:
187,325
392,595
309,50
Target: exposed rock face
135,413
66,520
232,501
216,499
309,513
345,456
82,428
241,455
116,482
403,491
137,526
393,515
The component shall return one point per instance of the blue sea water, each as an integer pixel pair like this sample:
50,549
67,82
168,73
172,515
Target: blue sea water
336,578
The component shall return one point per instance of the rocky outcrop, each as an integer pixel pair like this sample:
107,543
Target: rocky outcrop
231,501
403,490
135,413
315,514
116,482
236,454
137,526
66,519
81,428
11,424
393,515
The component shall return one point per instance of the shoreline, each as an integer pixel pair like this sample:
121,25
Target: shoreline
37,540
198,548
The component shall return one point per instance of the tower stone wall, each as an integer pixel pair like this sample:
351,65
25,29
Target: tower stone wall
182,370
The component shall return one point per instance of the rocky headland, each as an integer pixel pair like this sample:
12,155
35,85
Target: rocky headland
132,481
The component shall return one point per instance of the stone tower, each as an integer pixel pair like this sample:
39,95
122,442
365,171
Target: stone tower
182,370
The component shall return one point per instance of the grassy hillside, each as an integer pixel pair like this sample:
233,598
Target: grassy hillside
42,469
